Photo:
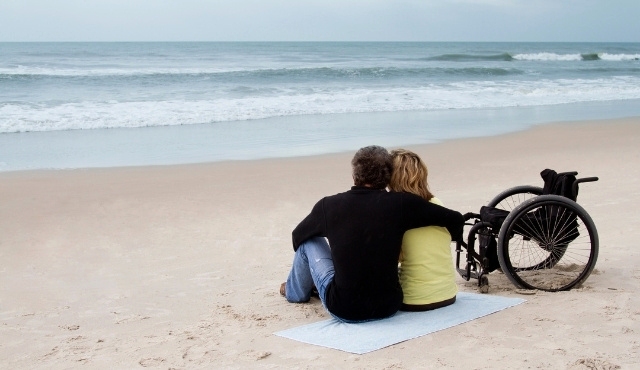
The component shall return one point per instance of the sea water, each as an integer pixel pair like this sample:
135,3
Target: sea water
70,105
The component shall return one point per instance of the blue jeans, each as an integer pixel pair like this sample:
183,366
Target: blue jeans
312,265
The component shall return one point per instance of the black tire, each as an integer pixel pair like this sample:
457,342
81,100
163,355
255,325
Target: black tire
549,243
513,197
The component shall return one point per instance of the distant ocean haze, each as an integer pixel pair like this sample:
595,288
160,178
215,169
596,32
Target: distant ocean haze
73,105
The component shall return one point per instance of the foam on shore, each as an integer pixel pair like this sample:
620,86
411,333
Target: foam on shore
279,137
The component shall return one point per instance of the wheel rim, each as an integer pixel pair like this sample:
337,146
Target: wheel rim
509,199
550,245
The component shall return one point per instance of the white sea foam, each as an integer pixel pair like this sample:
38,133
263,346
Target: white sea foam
548,57
575,57
19,117
21,70
618,57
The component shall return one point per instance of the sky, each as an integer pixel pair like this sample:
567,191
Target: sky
320,20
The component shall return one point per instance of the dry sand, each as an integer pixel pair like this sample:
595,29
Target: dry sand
178,267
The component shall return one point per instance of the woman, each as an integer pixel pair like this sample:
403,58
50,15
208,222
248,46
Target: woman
427,274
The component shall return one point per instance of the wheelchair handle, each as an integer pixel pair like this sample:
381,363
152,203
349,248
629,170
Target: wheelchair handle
586,179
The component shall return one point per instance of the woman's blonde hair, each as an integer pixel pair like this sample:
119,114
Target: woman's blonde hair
409,174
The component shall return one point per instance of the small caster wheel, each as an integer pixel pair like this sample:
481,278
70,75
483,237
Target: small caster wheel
483,287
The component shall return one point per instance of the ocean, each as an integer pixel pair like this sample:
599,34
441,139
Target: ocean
73,105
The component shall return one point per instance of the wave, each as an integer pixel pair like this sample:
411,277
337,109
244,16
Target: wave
619,57
542,56
589,56
505,57
283,75
576,57
25,71
22,117
548,57
320,73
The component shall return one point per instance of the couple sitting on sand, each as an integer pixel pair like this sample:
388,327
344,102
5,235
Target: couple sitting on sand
349,246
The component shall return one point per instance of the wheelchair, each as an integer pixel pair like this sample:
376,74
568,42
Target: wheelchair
540,238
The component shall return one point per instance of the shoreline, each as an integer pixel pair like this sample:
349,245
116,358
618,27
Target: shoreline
281,137
179,266
458,142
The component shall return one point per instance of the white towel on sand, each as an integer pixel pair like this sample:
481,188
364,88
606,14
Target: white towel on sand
370,336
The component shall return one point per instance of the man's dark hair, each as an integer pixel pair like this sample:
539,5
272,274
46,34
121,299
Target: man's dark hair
372,165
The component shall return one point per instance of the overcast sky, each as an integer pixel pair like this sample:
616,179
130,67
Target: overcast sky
320,20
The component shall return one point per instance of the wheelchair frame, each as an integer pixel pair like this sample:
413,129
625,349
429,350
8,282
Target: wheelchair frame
546,242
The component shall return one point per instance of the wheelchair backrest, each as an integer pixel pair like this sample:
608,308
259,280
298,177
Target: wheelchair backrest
559,184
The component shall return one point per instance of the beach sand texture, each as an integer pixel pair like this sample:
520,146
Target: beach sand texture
178,267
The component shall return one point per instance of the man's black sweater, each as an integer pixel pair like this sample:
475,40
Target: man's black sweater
365,227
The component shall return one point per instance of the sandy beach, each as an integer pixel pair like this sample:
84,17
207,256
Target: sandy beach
178,267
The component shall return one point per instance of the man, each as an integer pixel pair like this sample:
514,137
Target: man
357,276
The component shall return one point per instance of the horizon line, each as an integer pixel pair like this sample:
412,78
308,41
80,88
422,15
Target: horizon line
307,41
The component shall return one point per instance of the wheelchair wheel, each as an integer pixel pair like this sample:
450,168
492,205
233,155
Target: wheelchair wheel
549,243
513,197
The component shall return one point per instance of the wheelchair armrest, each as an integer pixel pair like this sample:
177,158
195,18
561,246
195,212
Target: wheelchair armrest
469,215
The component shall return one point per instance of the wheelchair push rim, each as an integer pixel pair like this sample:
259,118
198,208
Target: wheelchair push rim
548,243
